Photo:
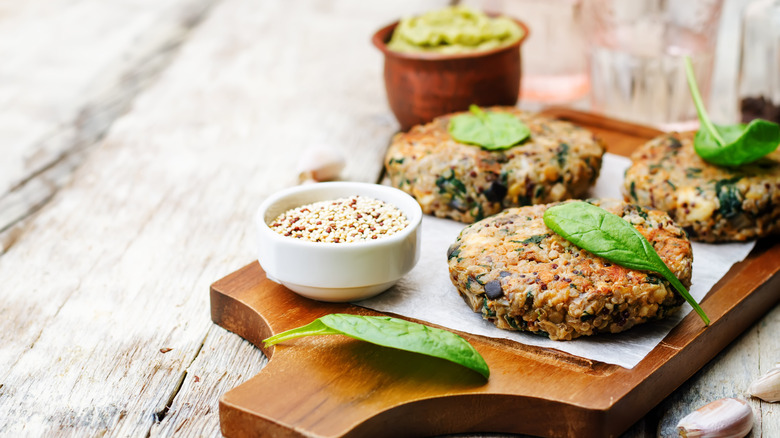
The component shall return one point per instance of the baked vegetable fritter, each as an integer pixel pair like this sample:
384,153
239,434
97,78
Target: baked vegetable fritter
467,183
522,276
712,203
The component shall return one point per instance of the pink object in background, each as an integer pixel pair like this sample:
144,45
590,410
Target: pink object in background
554,56
636,50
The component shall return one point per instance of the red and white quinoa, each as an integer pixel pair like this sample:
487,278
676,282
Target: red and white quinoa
343,220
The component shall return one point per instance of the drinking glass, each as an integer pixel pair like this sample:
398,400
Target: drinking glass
759,68
635,56
554,56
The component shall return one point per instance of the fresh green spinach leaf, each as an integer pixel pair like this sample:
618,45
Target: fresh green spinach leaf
488,130
394,333
611,237
730,145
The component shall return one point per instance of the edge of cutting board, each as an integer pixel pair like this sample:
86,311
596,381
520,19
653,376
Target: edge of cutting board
333,386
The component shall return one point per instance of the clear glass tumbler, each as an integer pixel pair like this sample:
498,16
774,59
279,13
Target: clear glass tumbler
759,69
635,57
554,57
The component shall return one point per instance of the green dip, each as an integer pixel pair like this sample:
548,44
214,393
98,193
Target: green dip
451,30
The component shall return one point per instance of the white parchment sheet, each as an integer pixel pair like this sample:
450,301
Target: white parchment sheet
427,294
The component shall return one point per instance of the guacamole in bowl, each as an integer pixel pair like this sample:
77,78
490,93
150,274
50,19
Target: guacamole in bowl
454,30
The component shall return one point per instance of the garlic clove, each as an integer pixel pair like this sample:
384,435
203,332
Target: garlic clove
767,387
724,418
320,163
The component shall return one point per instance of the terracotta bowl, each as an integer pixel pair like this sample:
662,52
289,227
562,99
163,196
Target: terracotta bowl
421,86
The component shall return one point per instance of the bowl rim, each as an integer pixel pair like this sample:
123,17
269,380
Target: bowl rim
382,36
413,216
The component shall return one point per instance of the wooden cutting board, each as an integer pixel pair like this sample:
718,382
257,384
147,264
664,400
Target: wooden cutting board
333,386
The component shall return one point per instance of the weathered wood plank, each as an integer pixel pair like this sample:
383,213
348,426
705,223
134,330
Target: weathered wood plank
728,375
768,356
115,269
344,106
69,69
117,265
223,363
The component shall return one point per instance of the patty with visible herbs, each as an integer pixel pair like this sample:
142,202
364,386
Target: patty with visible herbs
520,275
712,203
464,182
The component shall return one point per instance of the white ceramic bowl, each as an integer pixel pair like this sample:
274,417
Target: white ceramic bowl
337,272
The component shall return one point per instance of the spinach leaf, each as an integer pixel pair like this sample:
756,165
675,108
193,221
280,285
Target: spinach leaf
486,310
730,145
561,152
393,333
533,239
611,237
729,197
453,250
692,172
488,130
449,183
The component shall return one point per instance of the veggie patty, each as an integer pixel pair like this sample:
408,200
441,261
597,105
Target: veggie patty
713,203
467,183
520,275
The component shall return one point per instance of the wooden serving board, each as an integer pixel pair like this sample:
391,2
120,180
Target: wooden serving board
333,386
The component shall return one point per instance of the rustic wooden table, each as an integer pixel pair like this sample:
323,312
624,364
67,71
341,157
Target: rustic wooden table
138,137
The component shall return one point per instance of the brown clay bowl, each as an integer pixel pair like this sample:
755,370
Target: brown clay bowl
421,86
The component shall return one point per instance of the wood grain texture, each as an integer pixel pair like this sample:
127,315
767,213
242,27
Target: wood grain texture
223,362
334,386
728,375
69,69
103,313
131,230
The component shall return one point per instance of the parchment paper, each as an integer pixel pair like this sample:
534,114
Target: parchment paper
427,294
